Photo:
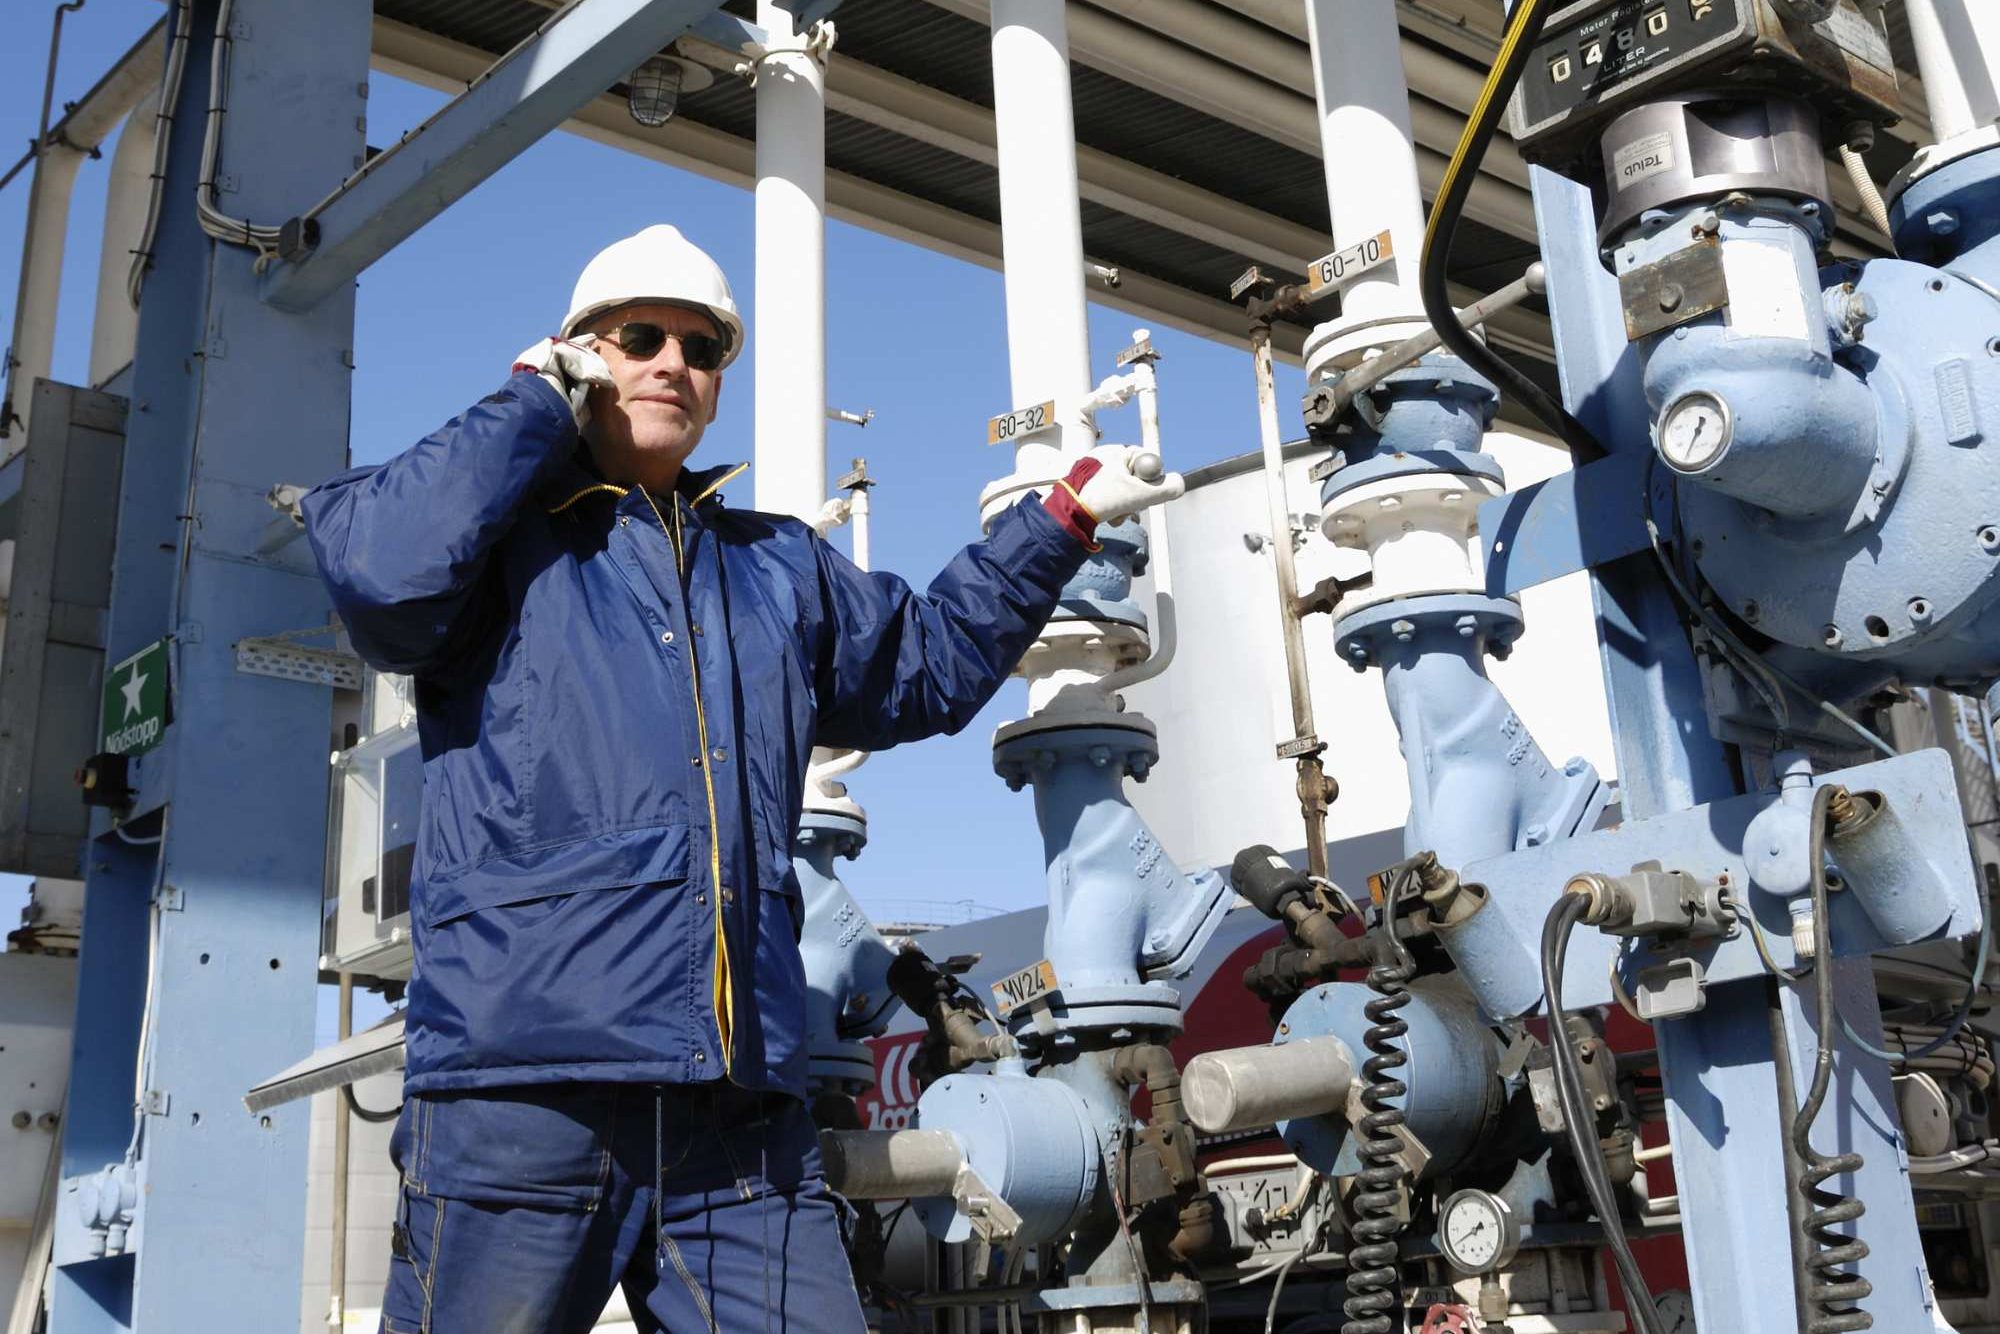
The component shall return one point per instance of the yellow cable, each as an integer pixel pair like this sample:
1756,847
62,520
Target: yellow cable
1524,14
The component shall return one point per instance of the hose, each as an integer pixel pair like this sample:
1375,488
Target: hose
1372,1271
1834,1290
1958,1019
1442,228
1580,1121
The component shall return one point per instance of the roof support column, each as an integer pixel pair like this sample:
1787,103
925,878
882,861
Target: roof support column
1369,154
1041,225
790,321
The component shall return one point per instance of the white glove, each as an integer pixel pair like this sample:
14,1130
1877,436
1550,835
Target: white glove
571,368
1114,491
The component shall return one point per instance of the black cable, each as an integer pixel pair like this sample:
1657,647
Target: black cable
372,1117
1580,1122
1833,1297
1442,228
1373,1300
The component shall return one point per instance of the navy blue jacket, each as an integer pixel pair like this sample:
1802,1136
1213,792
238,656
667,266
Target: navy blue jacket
617,695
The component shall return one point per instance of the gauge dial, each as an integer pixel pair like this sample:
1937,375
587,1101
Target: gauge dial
1695,431
1676,1310
1478,1232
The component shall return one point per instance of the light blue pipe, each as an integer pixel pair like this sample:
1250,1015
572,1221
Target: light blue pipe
1120,912
846,960
1479,783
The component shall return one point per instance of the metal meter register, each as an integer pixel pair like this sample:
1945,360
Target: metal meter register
1599,58
376,795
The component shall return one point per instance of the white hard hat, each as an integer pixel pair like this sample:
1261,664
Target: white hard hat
658,264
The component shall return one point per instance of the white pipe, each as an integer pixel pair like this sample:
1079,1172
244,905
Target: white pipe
1958,55
114,329
791,273
34,338
857,509
1160,555
1367,148
1041,223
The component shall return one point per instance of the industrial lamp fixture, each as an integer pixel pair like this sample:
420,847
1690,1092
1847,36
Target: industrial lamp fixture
653,91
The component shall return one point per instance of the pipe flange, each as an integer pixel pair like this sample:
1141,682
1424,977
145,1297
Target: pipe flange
1025,749
1930,160
847,833
1364,637
1411,463
1343,344
1951,207
1152,1008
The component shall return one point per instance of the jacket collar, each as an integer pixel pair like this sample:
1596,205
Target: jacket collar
578,479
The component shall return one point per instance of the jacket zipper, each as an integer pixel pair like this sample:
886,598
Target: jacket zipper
723,996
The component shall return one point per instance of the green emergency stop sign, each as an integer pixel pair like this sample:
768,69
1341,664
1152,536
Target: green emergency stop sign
135,701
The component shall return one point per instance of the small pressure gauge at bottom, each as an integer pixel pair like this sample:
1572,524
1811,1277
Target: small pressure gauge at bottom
1478,1232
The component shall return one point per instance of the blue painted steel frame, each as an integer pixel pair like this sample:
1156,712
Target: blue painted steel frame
530,91
229,399
1723,1106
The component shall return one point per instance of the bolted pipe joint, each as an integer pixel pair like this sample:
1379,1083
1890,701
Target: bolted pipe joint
848,997
1121,914
1248,1087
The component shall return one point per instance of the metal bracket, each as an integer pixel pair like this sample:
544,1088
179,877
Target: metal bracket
288,661
993,1220
1683,287
155,1102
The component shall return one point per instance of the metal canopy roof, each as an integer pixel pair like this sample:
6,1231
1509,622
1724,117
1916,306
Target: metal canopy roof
1196,129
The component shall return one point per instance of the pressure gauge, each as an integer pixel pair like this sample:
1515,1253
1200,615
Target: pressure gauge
1478,1232
1695,431
1676,1310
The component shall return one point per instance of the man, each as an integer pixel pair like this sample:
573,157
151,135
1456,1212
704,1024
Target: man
619,683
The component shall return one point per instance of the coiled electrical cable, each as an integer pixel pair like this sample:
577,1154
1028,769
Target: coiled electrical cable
1580,1121
1833,1289
1373,1275
1442,227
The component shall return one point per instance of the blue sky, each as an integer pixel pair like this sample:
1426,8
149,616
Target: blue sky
916,336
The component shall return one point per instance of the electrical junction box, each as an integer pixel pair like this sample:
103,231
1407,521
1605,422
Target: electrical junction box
1599,58
375,799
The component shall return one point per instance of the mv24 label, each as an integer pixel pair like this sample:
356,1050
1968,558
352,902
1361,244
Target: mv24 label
1032,984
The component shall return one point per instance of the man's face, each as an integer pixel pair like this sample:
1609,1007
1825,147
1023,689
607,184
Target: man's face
644,428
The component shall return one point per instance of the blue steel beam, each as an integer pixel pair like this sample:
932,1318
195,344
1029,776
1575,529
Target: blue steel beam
530,91
214,886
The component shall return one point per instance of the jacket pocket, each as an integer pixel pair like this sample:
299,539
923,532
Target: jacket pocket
617,859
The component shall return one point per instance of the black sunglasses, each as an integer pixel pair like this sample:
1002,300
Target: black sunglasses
642,341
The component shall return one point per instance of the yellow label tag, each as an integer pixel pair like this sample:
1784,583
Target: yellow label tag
1344,266
1011,426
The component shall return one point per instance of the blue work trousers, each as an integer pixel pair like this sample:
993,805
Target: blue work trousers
522,1208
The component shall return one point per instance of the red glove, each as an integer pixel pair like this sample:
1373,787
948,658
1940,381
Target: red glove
1063,502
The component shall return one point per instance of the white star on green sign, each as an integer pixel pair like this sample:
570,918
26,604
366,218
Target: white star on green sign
131,690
